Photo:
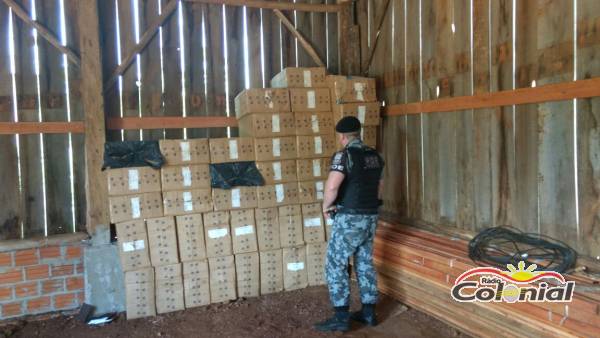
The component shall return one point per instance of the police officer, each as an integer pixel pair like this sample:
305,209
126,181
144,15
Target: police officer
351,200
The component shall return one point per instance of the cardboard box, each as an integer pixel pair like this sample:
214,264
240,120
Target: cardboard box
196,290
313,168
169,288
311,191
226,150
316,146
314,123
259,100
193,176
217,234
277,194
183,152
367,113
267,228
369,136
314,225
275,149
294,268
297,77
267,125
247,270
222,279
138,206
127,181
275,172
310,100
351,89
290,226
236,198
183,202
315,263
271,271
162,239
243,228
190,237
133,245
139,293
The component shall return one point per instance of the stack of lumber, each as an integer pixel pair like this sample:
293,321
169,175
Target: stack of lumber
419,268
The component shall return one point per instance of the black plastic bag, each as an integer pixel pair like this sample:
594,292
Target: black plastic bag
124,154
229,175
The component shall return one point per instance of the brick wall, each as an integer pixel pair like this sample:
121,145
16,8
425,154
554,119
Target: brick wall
39,280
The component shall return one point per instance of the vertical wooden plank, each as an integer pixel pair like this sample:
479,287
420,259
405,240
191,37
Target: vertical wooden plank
235,57
112,97
288,42
91,89
267,36
10,213
278,56
362,17
254,47
318,33
195,71
333,62
173,101
588,128
303,25
216,101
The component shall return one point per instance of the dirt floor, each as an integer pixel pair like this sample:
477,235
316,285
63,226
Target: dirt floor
287,314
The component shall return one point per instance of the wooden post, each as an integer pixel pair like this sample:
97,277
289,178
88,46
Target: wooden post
349,39
93,106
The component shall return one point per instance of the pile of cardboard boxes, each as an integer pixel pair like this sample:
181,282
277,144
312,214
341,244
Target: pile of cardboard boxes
184,244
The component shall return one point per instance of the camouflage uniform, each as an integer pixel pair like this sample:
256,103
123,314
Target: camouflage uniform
351,235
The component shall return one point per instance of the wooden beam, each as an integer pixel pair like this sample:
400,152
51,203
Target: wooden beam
284,6
96,188
367,65
11,128
43,31
144,40
307,46
170,122
553,92
348,42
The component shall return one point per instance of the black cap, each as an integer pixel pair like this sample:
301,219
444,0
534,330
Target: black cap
348,124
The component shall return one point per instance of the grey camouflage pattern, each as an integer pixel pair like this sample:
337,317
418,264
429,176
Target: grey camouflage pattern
351,235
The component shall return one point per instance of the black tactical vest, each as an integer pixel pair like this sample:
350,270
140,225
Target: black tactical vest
358,192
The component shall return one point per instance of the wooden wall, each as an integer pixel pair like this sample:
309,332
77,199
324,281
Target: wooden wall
535,167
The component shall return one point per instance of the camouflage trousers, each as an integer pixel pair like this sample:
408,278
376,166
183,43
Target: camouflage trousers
351,235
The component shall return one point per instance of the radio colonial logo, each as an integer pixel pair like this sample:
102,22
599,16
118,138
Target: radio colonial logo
488,284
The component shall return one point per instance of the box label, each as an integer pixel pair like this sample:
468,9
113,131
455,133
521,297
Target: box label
311,99
362,112
276,147
319,190
279,193
315,123
133,179
217,233
316,168
275,128
297,266
245,230
133,245
135,207
185,151
235,198
312,222
186,173
277,171
233,150
318,145
188,203
359,88
307,79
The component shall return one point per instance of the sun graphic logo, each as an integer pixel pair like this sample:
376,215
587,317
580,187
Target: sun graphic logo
517,284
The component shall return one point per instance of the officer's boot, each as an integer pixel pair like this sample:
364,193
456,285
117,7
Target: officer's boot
339,322
366,315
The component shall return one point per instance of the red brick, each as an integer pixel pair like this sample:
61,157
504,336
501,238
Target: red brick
62,270
11,276
39,304
6,293
79,268
66,301
74,283
37,272
73,252
26,257
52,286
11,309
26,290
50,252
6,259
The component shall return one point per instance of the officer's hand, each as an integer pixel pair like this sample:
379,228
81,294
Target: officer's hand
327,213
